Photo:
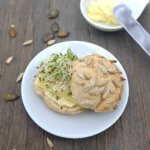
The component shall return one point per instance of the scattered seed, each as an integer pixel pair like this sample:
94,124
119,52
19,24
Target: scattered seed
122,79
102,89
115,83
115,106
113,61
57,97
81,75
80,82
102,68
112,71
120,95
88,61
9,60
87,89
106,93
87,75
55,27
53,14
12,31
96,91
98,55
112,88
92,82
48,36
87,104
51,42
10,97
63,34
28,42
50,143
20,76
101,82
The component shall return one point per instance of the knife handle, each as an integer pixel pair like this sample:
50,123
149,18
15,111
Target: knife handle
133,27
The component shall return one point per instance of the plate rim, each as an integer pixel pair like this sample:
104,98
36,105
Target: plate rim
80,136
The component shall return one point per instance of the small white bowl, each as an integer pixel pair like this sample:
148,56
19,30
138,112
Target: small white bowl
136,7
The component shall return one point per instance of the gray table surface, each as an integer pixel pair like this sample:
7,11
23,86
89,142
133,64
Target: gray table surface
17,130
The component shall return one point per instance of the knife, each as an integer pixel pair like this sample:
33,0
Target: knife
124,15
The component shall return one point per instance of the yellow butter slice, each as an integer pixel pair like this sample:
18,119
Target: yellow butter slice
64,99
102,11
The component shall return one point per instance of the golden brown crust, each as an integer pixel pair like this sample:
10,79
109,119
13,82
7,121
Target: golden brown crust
96,83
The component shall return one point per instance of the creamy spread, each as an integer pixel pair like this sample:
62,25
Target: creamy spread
102,11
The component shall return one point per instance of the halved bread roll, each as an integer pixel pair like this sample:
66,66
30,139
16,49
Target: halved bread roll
96,83
53,103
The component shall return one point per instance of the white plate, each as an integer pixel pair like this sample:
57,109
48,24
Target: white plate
76,126
137,8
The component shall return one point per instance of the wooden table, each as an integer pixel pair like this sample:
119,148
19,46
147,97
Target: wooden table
17,130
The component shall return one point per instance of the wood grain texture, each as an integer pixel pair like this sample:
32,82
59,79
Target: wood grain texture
17,130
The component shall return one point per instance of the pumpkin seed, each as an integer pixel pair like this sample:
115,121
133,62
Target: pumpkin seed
87,104
106,93
102,89
121,88
55,27
96,91
9,60
113,61
63,34
102,68
53,14
122,79
97,55
80,82
112,71
81,75
103,82
20,76
51,42
87,75
112,88
50,143
88,61
12,31
28,42
115,83
88,88
115,106
48,37
92,82
10,97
